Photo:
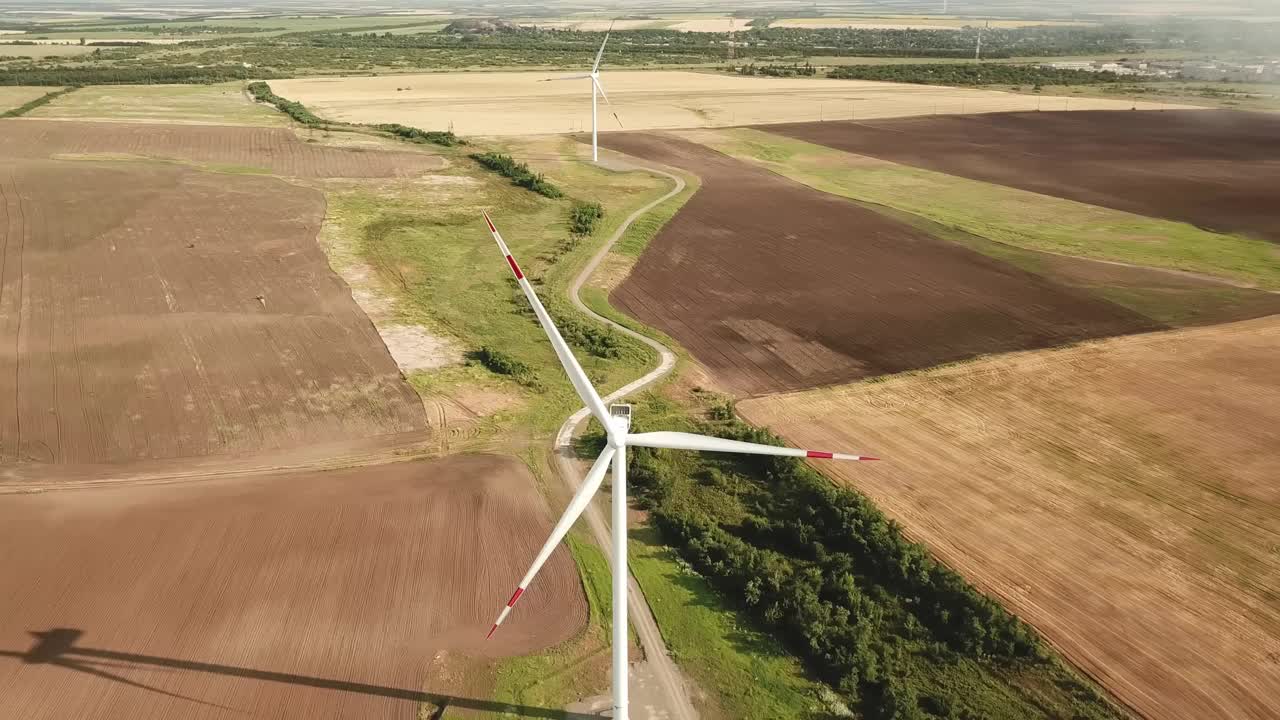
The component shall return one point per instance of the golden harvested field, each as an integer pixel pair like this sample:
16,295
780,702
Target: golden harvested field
515,103
220,104
16,95
1120,495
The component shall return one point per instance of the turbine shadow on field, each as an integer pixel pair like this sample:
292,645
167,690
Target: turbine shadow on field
58,647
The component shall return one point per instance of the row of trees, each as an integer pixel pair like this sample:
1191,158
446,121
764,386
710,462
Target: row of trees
976,74
416,135
33,104
519,173
828,575
148,74
262,93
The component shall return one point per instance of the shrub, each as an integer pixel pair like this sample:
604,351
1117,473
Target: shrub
583,217
499,362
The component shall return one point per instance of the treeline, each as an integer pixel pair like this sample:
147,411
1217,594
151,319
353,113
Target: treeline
519,173
976,74
825,573
296,110
759,41
793,70
32,105
413,134
151,74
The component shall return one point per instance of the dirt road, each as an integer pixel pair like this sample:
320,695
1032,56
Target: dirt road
671,701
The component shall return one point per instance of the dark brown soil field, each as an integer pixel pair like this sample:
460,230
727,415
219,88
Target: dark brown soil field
272,149
314,595
149,310
1216,169
774,286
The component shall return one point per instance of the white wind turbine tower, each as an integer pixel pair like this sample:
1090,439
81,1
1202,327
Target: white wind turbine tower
616,420
596,87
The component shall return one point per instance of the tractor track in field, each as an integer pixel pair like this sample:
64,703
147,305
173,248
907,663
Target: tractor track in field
657,665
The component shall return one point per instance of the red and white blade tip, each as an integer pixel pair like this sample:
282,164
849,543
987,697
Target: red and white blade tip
515,267
505,611
836,456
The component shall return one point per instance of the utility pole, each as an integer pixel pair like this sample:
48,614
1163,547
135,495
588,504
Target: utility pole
977,53
732,51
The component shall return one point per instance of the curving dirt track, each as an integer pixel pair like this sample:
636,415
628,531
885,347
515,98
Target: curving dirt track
1216,169
276,150
148,310
774,286
291,596
1119,495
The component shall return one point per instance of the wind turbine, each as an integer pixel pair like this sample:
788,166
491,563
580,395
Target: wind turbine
616,420
596,87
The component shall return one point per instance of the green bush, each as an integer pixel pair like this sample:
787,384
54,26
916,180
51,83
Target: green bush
519,173
499,362
583,217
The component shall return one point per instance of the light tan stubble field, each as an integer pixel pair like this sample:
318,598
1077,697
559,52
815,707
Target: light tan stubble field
516,103
1120,495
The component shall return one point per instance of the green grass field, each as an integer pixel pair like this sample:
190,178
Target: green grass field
1006,215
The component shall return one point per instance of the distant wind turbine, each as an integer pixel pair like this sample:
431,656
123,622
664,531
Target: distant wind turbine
616,420
596,87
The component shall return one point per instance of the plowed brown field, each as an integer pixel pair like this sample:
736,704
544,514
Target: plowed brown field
1120,495
1216,169
774,286
273,149
314,595
148,310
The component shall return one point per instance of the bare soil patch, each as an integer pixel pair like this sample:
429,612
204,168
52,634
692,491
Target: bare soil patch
149,310
332,594
274,150
1119,495
1216,169
774,286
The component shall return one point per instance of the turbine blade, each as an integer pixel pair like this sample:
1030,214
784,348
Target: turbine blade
577,505
596,66
571,367
566,77
615,117
691,441
600,88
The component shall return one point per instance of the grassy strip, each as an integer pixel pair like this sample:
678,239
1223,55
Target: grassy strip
1007,215
748,674
42,100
